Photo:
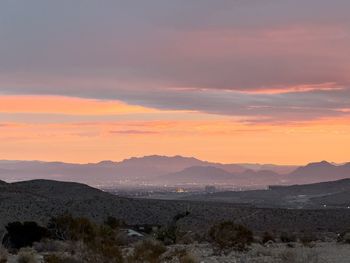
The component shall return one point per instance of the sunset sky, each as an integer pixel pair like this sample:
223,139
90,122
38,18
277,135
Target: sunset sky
236,81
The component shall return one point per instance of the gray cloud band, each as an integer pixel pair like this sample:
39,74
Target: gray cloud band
293,106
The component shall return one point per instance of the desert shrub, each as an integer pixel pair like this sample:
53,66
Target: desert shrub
101,245
288,237
179,216
299,256
66,227
148,251
307,238
122,239
288,256
261,251
113,222
167,234
228,235
60,226
180,255
23,234
3,254
57,258
99,241
52,258
186,237
267,237
102,251
188,258
27,255
50,245
344,237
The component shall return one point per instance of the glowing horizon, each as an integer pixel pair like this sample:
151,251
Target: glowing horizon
101,132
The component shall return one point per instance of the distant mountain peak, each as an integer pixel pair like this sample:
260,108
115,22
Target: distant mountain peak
161,158
320,164
155,156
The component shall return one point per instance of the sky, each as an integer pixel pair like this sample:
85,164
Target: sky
262,81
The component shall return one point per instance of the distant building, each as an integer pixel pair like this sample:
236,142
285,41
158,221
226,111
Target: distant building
180,190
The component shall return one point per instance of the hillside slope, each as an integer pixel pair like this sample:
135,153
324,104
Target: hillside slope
41,199
294,196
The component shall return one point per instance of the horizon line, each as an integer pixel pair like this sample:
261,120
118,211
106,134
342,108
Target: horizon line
167,156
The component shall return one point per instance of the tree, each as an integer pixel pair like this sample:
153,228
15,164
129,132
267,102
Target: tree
23,234
227,235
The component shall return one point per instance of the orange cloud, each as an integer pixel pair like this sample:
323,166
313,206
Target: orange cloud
329,86
67,105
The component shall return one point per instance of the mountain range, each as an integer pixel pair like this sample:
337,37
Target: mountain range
176,170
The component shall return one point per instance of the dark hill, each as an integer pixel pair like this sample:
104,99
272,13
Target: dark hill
41,199
295,196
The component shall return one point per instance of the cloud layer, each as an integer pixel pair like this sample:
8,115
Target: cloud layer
261,60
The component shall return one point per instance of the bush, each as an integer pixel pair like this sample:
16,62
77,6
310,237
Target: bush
99,241
148,251
344,237
49,245
3,255
53,258
23,234
167,234
113,223
187,238
288,237
102,246
188,258
267,237
102,252
66,227
27,255
228,235
299,256
307,238
176,254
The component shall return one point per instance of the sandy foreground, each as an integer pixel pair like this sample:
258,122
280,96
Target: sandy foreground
319,252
